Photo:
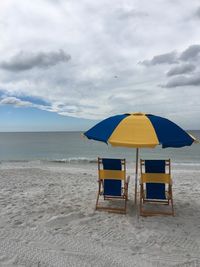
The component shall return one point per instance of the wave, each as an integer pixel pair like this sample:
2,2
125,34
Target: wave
67,160
85,160
80,160
73,160
15,160
186,163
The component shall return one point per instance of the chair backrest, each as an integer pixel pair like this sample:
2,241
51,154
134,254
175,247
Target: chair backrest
155,174
112,172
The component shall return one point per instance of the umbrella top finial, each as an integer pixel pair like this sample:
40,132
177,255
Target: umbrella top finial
138,114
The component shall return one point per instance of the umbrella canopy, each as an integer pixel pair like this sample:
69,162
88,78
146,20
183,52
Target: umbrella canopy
139,130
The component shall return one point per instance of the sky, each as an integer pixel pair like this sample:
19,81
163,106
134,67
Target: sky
66,64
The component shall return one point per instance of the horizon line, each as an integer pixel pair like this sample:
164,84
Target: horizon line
45,131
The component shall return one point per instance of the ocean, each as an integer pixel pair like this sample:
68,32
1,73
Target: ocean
71,147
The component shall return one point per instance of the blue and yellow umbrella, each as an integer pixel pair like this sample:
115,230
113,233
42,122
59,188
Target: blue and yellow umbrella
139,130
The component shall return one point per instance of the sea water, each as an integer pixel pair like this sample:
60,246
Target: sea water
73,147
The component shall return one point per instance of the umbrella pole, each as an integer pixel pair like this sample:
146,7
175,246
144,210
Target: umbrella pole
136,174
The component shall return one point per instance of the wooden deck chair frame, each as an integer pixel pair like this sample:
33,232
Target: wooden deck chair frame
112,174
156,178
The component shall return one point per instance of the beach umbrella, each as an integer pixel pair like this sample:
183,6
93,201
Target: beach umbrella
139,130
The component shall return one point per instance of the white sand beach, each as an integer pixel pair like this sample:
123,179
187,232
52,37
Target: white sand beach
47,218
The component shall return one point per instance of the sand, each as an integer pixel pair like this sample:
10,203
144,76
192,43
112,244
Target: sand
47,218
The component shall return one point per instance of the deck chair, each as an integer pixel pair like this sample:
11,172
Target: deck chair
113,184
155,186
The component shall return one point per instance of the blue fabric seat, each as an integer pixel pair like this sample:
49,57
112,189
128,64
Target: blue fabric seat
112,187
155,191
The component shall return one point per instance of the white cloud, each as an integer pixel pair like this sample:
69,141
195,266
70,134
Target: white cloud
15,102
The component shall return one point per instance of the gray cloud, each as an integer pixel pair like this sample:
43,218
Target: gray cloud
182,69
184,81
190,53
131,13
168,58
197,13
26,61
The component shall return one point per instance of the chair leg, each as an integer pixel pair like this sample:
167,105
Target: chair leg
141,194
171,197
172,209
140,204
172,203
125,205
98,194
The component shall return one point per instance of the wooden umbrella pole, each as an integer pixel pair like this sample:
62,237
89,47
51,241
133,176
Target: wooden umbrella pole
136,174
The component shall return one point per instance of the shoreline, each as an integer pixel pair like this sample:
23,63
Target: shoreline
83,161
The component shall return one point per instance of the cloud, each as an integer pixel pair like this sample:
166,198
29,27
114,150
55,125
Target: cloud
181,69
168,58
191,58
20,103
14,101
184,81
197,13
63,108
130,13
27,60
191,53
